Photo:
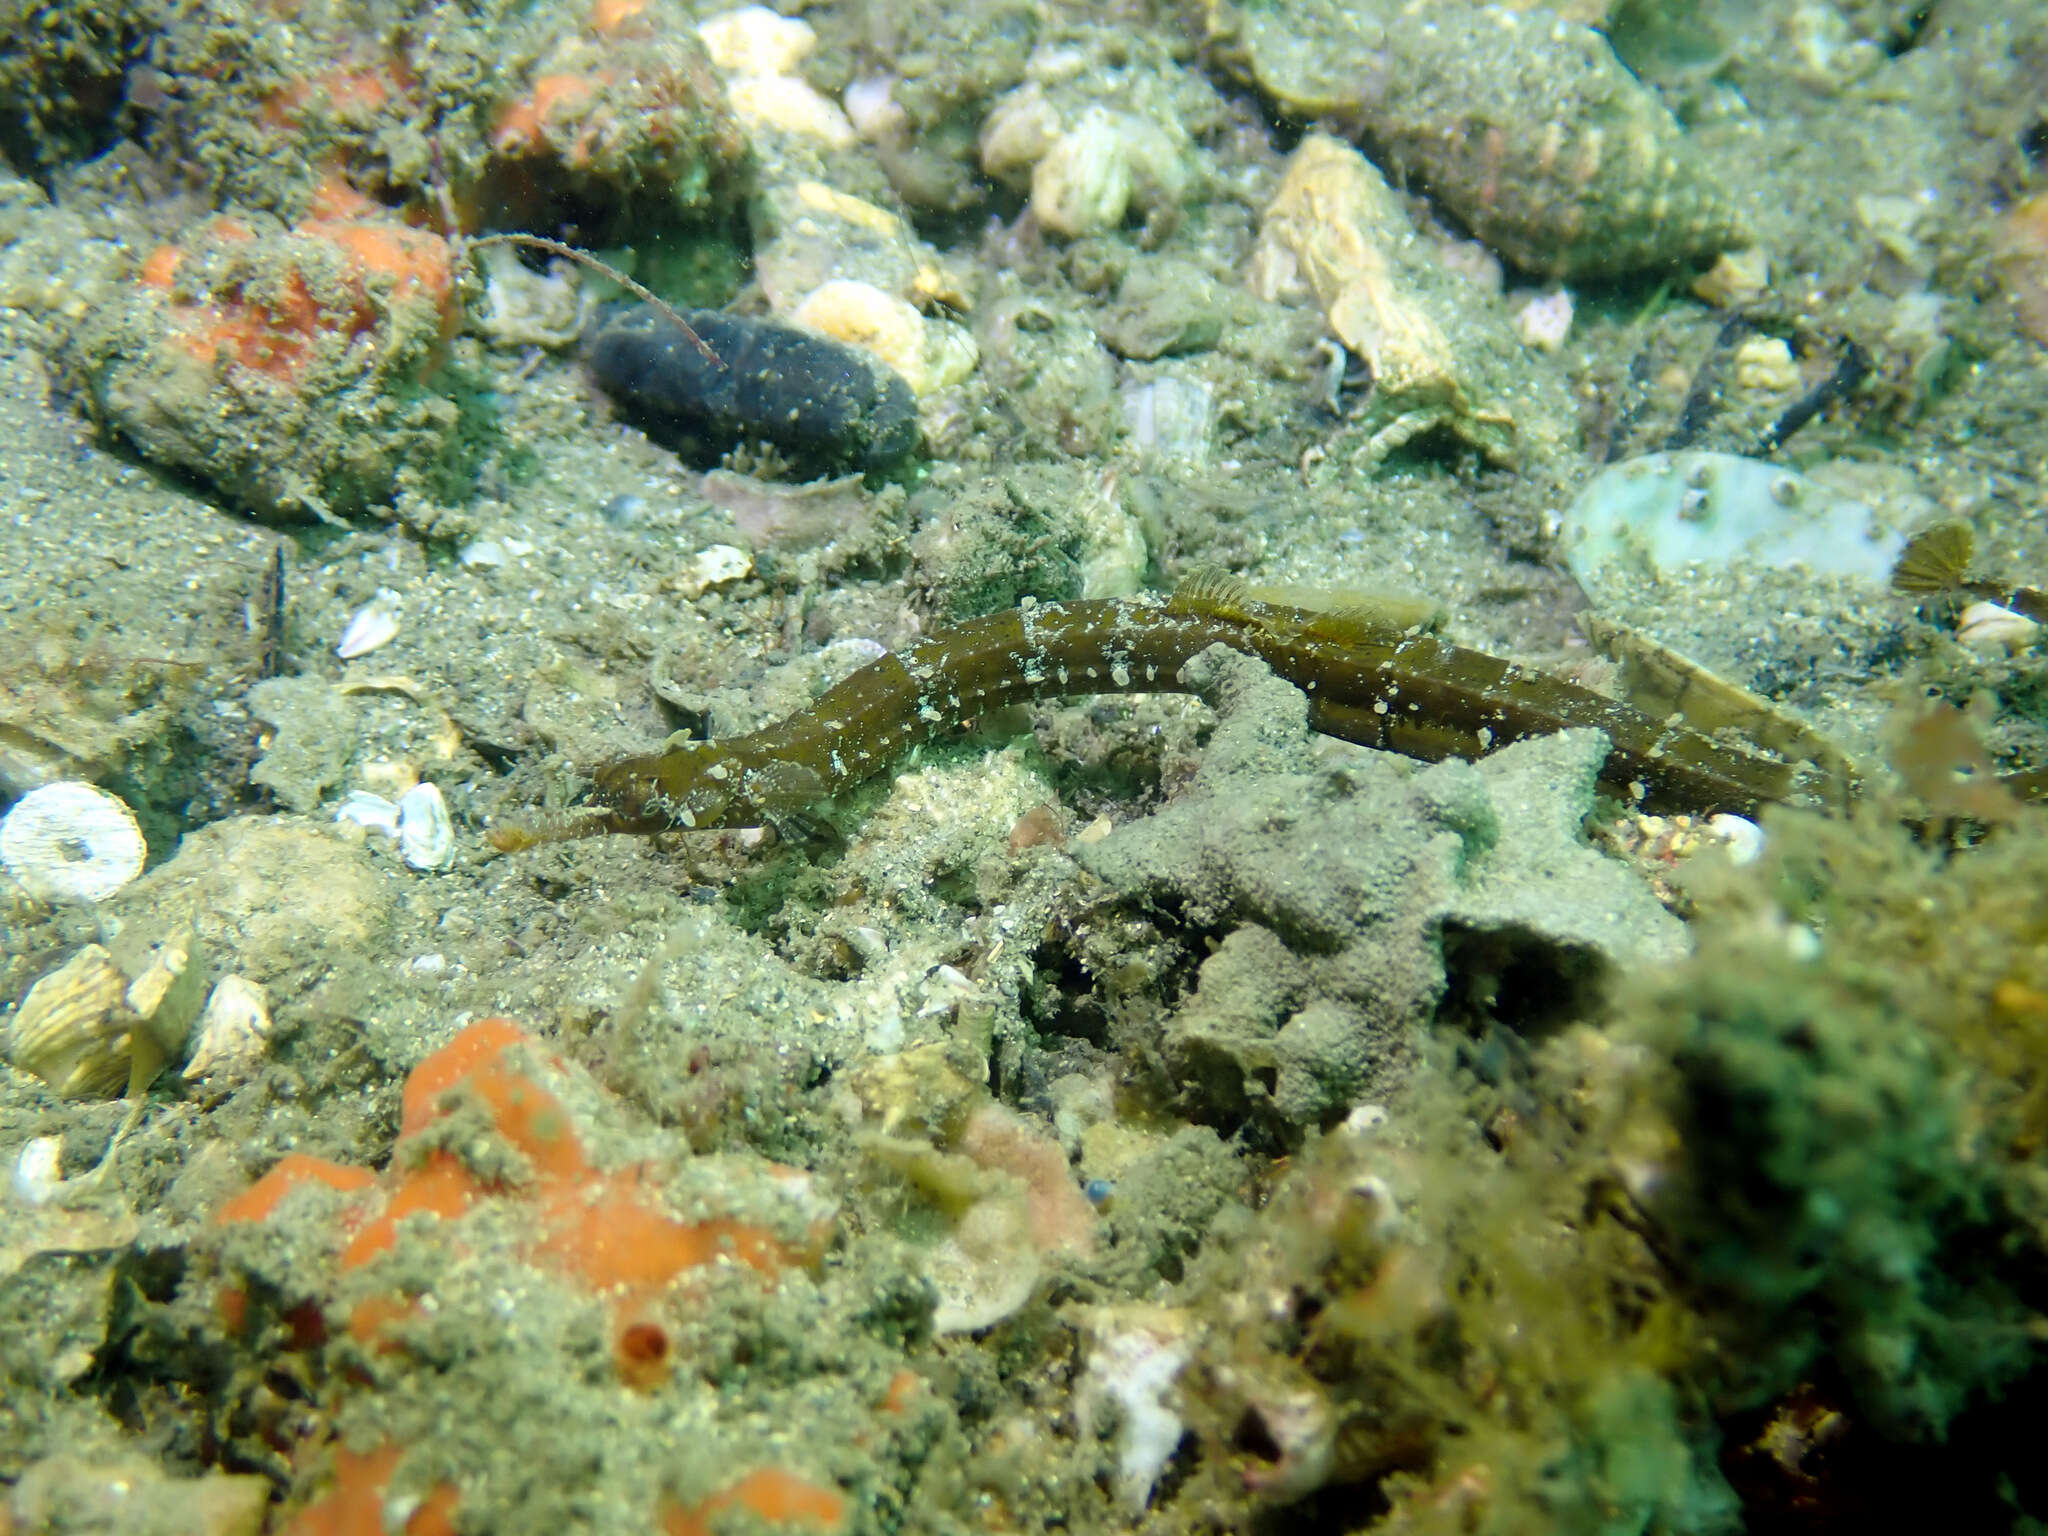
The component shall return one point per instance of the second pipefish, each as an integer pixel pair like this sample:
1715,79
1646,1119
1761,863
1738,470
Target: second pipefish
1367,681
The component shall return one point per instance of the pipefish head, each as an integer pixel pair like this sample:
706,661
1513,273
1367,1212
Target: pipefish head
691,785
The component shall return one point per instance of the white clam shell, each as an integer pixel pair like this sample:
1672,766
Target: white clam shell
372,625
426,834
38,1171
371,812
71,842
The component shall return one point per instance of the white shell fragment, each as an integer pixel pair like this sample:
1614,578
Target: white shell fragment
71,842
426,835
38,1171
233,1032
713,566
371,812
1992,630
372,625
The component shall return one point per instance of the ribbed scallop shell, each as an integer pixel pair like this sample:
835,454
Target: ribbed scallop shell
72,1030
78,1027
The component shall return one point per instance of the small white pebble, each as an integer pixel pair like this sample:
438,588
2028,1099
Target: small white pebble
872,109
1545,321
1364,1118
1745,839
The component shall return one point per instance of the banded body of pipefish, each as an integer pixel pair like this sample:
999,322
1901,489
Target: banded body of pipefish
1368,679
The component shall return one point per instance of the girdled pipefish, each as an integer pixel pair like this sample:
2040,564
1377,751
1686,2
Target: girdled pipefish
1367,681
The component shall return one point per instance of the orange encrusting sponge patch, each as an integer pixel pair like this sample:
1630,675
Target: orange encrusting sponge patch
605,1231
356,1505
293,1169
274,332
774,1495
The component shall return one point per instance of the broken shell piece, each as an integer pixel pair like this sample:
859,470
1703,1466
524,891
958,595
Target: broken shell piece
715,565
1764,365
426,835
90,1029
71,842
166,988
38,1171
929,354
373,813
1992,630
372,625
1736,277
233,1032
1336,228
1083,185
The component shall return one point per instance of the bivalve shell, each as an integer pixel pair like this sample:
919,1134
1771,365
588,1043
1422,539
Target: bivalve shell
65,1030
233,1032
426,835
97,1027
371,626
71,842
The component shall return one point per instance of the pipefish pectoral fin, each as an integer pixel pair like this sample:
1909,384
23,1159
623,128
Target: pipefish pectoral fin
1936,560
782,788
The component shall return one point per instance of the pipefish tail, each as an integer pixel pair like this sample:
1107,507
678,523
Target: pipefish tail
1380,680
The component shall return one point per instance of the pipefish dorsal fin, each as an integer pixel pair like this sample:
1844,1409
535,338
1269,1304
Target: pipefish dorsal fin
1935,560
1210,592
1341,616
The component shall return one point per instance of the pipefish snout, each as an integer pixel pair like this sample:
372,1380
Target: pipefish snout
1372,676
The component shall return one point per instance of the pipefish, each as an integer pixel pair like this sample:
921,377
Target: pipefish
1370,678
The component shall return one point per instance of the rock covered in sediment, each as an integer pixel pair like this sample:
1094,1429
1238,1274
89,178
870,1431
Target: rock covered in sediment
1348,898
291,370
1524,126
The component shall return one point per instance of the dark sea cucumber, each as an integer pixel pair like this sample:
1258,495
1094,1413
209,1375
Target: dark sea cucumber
826,405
